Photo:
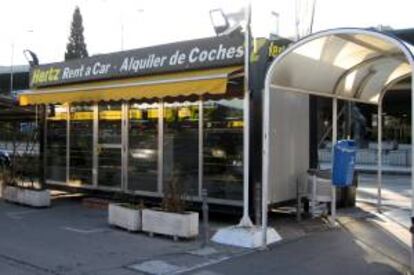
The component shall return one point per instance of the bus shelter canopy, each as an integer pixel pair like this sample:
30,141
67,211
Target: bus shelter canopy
350,64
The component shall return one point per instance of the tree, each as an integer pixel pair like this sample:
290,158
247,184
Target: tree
76,47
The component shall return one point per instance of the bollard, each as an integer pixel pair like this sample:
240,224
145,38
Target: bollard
205,218
258,203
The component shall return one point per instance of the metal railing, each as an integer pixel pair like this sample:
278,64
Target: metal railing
398,158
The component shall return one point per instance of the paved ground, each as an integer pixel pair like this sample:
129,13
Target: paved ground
331,252
396,194
71,239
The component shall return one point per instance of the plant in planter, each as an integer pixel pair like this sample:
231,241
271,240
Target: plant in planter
171,219
126,215
18,176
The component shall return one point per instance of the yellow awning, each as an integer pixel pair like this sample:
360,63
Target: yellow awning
212,81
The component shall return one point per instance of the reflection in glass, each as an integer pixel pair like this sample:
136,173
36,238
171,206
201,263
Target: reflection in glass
56,143
110,117
81,144
181,146
223,149
109,167
143,147
109,148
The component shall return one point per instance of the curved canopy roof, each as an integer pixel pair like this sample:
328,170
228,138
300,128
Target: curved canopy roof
350,64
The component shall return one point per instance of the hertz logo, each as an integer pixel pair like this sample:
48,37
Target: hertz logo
275,50
43,76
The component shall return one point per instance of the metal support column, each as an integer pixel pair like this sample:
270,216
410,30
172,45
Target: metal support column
160,147
412,169
68,144
125,146
379,157
96,149
200,146
334,139
266,156
42,126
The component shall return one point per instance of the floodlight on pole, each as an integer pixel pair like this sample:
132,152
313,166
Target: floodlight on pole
227,23
276,17
219,21
31,57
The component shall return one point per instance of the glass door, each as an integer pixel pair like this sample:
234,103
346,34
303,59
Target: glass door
143,147
81,145
223,149
56,143
180,152
109,145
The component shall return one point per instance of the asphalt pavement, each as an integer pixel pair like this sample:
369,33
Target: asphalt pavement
71,239
330,252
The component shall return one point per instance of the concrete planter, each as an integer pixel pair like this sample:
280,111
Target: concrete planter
183,225
29,197
124,217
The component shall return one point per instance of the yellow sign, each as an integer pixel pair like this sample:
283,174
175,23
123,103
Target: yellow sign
81,116
184,112
275,50
44,76
110,115
152,113
135,114
235,124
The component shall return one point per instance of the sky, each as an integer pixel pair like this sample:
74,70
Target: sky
43,26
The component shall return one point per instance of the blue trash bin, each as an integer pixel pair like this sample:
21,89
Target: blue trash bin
343,163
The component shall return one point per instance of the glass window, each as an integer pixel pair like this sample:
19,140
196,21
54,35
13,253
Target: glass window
56,143
109,147
223,149
181,146
81,144
143,147
110,118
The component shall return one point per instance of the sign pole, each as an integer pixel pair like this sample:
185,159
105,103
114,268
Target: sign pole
246,221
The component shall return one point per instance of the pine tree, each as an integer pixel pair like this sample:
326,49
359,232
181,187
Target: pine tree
76,47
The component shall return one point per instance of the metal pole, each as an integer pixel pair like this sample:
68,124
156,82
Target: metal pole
160,168
205,218
257,203
313,200
246,221
125,145
11,68
96,145
200,146
265,156
42,146
412,170
379,157
334,139
349,120
122,30
68,146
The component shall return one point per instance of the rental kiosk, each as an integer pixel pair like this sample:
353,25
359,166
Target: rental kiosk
131,121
